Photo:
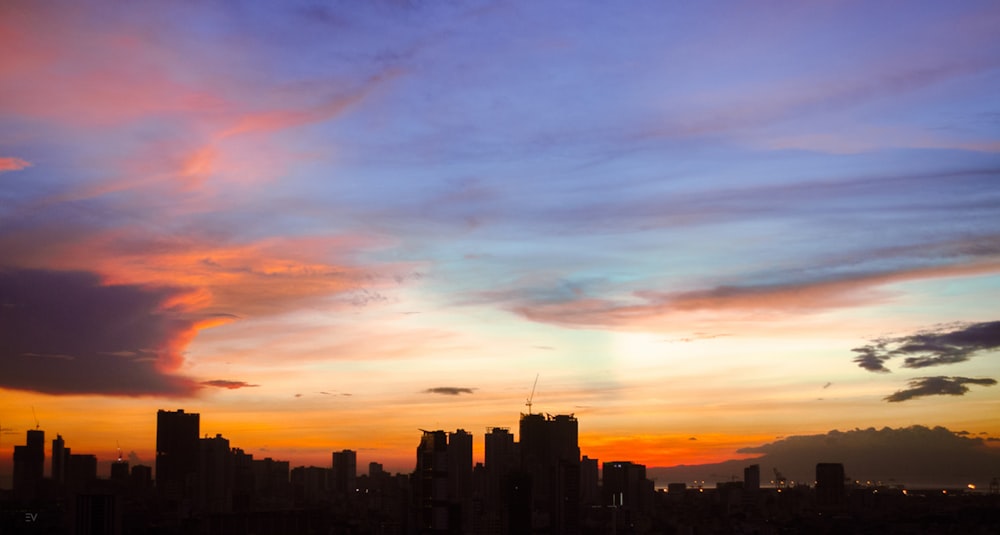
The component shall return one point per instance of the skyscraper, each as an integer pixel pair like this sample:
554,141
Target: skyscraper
176,453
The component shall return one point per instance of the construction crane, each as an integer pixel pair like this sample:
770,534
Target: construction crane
779,480
532,395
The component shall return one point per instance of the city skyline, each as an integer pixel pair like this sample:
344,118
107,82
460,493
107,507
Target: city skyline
325,226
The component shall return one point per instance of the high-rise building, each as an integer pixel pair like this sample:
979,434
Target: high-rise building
345,472
830,484
751,478
177,453
81,470
501,463
431,483
59,454
29,465
215,475
271,482
624,484
590,478
310,485
550,458
120,471
460,479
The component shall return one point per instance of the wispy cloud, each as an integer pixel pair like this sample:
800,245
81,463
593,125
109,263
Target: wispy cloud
449,390
231,385
938,386
841,291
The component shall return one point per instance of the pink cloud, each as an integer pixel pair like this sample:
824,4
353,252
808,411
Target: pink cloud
746,302
12,164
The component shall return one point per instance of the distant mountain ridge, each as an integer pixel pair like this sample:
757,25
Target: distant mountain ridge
914,457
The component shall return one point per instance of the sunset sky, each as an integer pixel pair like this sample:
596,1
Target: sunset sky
327,225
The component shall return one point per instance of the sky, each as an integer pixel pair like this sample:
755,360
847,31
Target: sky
701,226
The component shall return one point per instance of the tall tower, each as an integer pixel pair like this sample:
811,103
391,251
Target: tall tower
177,451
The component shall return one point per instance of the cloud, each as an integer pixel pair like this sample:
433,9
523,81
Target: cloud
449,390
66,332
231,385
8,163
741,301
950,344
938,386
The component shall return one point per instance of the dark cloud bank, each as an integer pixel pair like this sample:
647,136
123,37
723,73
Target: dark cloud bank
66,332
913,456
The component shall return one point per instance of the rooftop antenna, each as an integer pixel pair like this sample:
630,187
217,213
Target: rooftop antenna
532,395
35,416
119,450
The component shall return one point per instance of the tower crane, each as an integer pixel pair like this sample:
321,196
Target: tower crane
532,395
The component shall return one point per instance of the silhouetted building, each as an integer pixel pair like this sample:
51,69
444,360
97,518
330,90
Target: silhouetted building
501,462
310,484
345,472
271,482
830,484
96,514
460,479
59,454
120,471
751,478
431,485
215,475
29,465
244,497
176,453
81,470
141,478
550,458
590,479
624,484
